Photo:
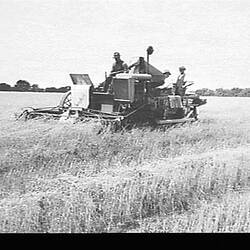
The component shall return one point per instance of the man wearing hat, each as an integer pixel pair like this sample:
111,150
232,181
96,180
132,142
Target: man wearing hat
166,73
180,83
166,84
119,66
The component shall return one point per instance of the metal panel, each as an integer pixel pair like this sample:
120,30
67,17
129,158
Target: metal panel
81,79
80,96
124,89
107,108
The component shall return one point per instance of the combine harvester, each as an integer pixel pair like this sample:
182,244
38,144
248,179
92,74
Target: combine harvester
134,99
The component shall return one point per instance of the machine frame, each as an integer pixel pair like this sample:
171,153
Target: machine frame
126,98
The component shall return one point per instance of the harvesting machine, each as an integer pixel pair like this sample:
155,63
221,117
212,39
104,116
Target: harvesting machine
126,99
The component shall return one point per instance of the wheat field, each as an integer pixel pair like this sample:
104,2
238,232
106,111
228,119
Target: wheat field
64,178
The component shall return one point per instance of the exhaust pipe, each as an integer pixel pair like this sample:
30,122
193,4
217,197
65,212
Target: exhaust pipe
150,51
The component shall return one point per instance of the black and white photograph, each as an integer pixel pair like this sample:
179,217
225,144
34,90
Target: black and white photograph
127,117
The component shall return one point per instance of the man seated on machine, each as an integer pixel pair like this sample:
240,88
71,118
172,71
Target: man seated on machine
118,67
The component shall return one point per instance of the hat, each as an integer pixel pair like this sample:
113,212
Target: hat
166,71
116,54
182,67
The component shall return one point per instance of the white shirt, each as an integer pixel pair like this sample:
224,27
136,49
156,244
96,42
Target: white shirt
168,82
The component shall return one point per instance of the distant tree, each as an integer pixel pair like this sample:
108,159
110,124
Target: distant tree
205,92
22,85
236,91
51,89
5,87
219,92
61,89
41,90
35,88
224,92
227,92
245,92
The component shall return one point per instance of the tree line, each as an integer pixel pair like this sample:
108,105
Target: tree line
244,92
25,86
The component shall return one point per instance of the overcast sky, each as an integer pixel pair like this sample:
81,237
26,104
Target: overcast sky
43,41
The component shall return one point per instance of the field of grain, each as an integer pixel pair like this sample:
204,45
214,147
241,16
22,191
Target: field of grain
66,178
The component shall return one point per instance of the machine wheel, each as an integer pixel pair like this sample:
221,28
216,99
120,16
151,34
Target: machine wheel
195,113
65,102
25,114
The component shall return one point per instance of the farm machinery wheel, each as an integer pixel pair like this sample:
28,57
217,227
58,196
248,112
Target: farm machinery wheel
28,113
65,102
194,113
24,114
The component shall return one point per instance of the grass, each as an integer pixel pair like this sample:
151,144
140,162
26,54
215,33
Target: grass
229,214
67,178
